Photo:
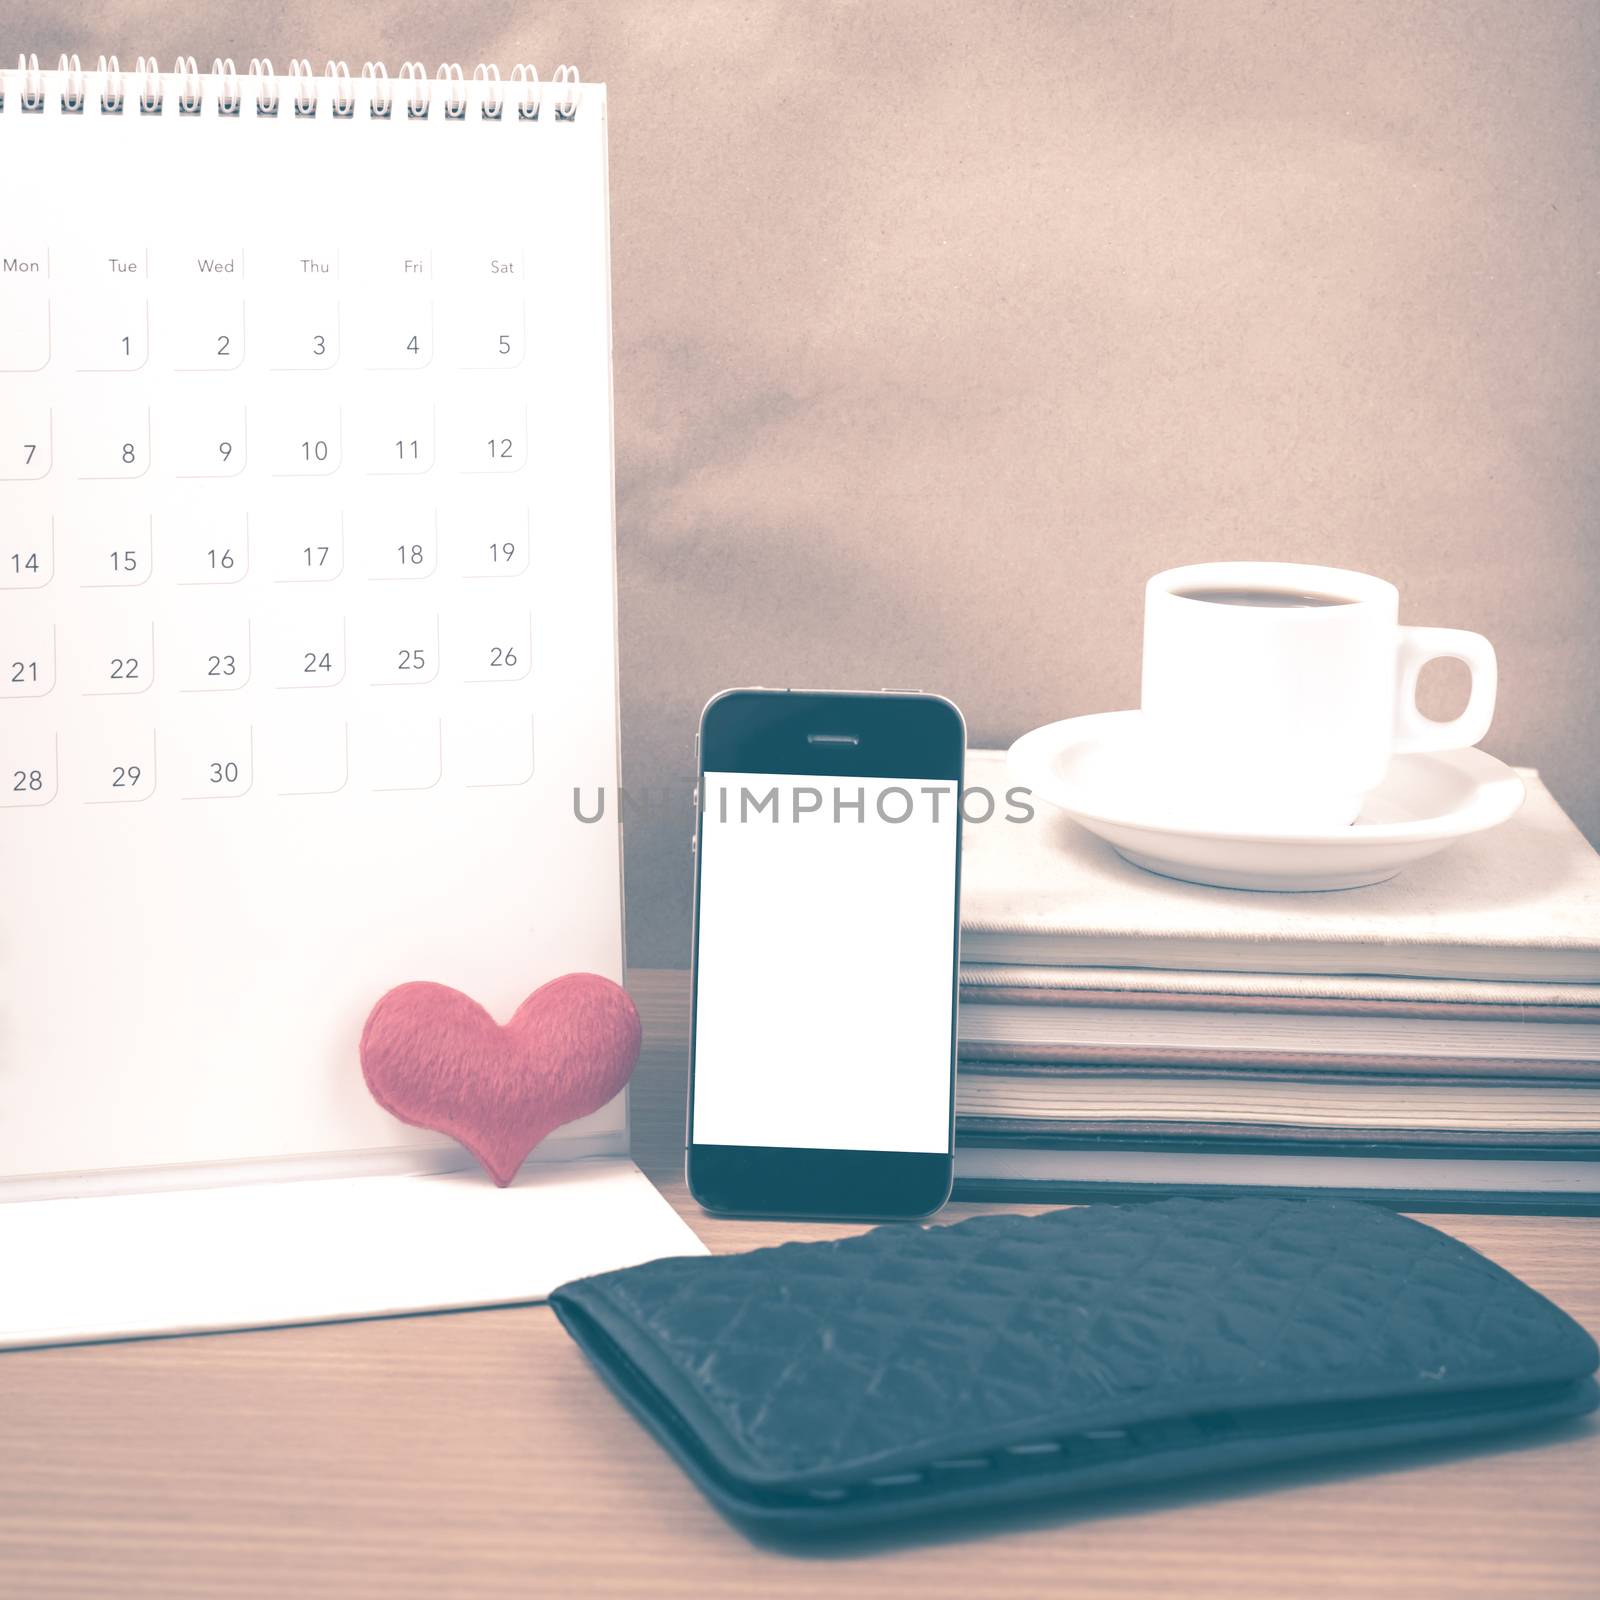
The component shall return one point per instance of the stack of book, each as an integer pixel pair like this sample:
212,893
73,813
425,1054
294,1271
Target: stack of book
1433,1041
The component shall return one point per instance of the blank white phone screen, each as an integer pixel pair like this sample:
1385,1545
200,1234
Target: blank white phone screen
825,966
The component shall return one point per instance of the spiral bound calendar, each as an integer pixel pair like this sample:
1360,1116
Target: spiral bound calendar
307,598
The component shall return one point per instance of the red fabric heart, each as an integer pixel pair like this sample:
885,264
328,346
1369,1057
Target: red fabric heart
435,1058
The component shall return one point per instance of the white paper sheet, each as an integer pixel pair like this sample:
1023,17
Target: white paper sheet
255,1255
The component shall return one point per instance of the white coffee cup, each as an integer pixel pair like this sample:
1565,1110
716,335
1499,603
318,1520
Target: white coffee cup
1275,694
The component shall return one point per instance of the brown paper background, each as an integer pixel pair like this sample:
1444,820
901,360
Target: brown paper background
939,327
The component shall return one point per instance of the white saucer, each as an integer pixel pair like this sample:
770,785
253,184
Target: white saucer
1090,768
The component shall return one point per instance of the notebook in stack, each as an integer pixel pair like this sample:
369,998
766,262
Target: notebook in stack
1433,1041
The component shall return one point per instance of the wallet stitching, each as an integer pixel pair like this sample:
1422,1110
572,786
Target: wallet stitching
643,1394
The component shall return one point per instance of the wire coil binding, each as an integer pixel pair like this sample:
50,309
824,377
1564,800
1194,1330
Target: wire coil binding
413,92
567,100
31,95
228,96
420,99
528,76
341,96
302,88
382,101
266,87
493,101
152,96
72,85
188,94
110,87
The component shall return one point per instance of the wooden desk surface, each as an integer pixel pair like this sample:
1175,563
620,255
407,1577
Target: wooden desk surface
476,1453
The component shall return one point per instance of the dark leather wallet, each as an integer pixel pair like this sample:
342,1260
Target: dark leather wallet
915,1369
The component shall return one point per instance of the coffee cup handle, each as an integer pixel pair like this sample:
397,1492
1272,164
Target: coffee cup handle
1418,646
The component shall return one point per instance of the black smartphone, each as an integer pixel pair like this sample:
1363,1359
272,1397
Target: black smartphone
826,924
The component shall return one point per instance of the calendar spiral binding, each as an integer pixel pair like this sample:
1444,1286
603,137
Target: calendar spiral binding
148,91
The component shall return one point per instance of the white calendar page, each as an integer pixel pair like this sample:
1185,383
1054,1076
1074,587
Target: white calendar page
307,612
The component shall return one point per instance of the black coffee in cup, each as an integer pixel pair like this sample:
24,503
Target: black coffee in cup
1269,599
